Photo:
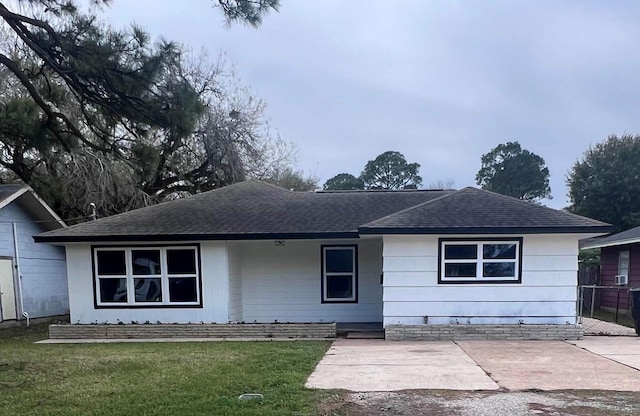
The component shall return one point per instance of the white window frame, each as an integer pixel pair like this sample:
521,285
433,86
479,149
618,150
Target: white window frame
354,274
624,257
164,277
479,261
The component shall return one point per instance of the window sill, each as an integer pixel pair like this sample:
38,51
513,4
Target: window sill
127,306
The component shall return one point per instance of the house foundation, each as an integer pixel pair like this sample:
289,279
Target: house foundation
482,332
151,331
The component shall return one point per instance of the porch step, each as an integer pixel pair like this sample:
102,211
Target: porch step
366,335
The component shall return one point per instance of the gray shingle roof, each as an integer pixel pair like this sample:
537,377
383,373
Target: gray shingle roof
248,210
476,211
255,210
625,237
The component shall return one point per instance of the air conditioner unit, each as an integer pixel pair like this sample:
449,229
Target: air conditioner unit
621,279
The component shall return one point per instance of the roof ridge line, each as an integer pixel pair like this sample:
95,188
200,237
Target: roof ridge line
412,207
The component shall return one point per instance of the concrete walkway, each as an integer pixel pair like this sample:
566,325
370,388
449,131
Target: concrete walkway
376,365
625,350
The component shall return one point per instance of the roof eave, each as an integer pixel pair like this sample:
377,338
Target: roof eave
623,242
43,238
487,230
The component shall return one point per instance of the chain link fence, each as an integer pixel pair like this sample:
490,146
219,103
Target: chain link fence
606,310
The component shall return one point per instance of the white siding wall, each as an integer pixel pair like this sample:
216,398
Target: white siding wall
215,289
283,283
42,266
235,282
547,293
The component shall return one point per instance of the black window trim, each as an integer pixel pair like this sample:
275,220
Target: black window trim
355,274
94,278
476,280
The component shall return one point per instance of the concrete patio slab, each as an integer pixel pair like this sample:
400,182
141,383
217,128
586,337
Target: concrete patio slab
625,350
378,365
549,365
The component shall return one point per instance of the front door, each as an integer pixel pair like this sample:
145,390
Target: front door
7,291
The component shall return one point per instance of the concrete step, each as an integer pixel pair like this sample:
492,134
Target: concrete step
366,335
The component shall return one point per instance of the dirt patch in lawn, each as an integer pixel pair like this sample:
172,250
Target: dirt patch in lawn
437,403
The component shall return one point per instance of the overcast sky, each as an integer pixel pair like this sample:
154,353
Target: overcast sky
440,81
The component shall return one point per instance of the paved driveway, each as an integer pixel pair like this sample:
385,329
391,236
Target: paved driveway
625,350
377,365
549,365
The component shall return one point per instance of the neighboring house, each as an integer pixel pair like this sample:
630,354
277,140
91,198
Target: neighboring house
33,278
619,266
253,252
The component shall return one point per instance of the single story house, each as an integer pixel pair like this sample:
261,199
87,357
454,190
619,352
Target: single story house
619,266
33,277
256,253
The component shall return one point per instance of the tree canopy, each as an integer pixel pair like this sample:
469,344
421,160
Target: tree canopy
510,170
291,179
93,114
390,170
343,182
605,184
116,78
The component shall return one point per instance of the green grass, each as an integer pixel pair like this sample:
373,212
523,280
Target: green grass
203,378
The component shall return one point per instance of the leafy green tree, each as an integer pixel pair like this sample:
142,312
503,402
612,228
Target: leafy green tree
390,170
92,114
510,170
343,182
231,143
605,184
118,78
293,180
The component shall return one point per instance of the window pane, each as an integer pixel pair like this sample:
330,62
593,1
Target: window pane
146,261
148,290
181,261
460,270
459,251
183,289
507,269
499,251
339,260
113,290
340,287
623,262
111,262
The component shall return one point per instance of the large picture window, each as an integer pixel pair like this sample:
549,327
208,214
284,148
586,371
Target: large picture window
340,273
480,261
146,276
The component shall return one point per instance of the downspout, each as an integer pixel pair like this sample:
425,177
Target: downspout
18,274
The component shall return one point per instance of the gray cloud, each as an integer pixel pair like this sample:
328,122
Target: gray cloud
440,81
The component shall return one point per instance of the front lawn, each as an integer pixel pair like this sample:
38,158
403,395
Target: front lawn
203,378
